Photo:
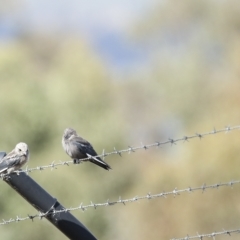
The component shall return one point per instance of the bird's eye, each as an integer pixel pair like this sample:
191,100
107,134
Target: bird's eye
20,150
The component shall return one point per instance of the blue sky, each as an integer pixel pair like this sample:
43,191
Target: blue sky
102,23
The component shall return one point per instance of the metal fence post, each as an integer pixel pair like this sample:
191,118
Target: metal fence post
45,203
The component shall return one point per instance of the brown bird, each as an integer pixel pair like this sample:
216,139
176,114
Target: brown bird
78,148
15,159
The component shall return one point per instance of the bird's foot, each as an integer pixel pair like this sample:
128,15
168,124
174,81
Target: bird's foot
76,161
18,172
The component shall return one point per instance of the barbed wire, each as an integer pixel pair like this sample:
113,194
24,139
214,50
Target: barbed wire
129,150
209,235
149,196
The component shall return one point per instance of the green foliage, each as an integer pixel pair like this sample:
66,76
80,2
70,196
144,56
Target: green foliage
47,85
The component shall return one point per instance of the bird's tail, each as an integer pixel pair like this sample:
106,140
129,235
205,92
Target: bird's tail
98,161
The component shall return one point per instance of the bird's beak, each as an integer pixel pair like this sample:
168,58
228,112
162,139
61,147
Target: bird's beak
25,154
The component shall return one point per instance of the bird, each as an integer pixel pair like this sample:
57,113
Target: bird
78,148
15,159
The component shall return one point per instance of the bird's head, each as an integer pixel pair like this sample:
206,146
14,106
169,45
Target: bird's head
68,132
22,149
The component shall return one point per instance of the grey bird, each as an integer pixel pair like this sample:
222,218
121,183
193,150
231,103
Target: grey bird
77,148
15,159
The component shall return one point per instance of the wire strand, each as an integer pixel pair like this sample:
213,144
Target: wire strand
209,235
149,196
129,150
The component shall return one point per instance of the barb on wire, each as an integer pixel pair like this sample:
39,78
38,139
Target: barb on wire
149,196
209,235
130,149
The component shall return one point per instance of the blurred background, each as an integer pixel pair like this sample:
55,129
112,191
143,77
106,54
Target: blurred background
124,73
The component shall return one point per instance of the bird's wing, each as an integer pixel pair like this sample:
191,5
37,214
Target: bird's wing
8,162
84,146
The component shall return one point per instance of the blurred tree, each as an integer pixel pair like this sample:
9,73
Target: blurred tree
190,84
